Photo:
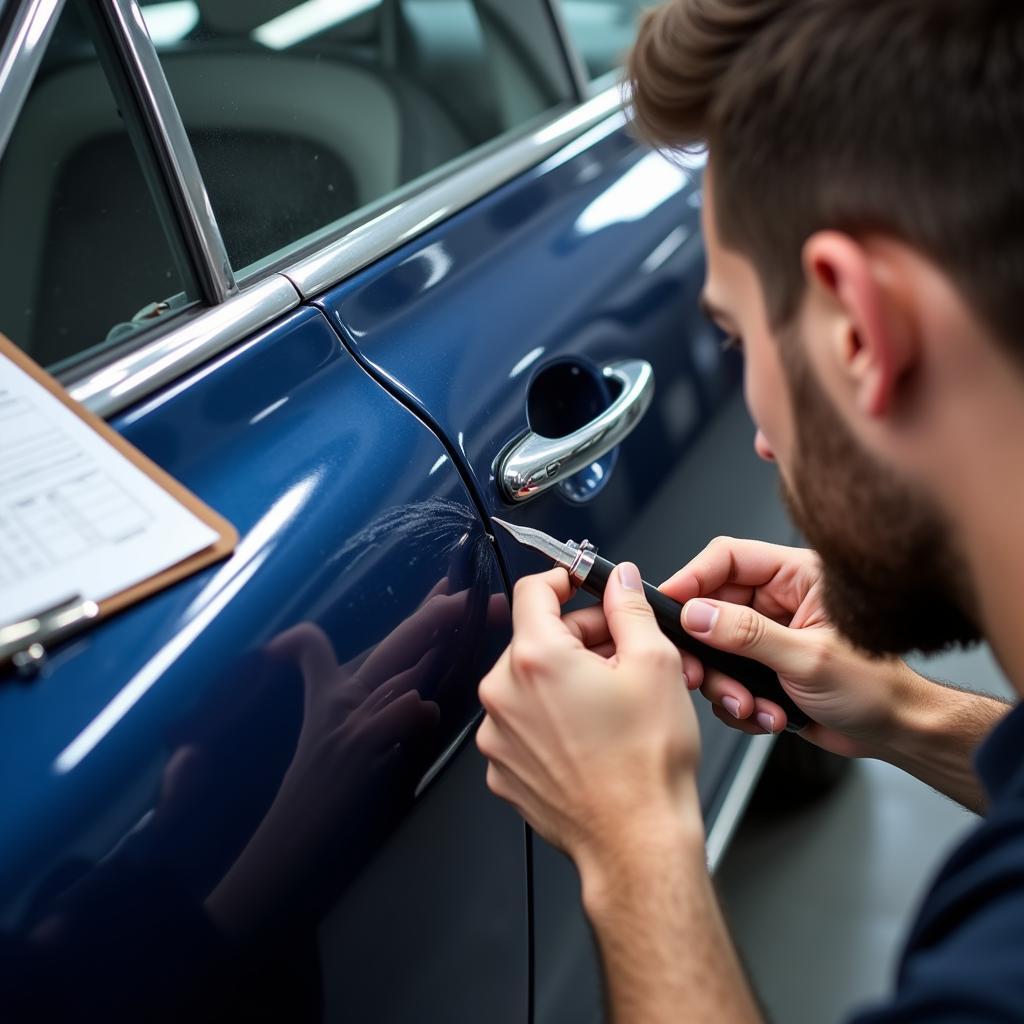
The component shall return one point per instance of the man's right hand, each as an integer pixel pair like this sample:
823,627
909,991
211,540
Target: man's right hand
764,601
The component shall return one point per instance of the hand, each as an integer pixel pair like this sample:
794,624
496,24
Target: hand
590,731
764,601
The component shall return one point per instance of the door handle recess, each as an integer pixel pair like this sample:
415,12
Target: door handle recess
534,462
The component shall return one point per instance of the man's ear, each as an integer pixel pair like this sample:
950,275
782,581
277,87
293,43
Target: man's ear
871,343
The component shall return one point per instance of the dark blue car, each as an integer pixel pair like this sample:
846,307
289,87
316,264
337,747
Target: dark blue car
360,274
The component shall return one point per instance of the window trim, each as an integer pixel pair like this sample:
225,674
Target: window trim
174,151
369,241
178,348
570,52
106,386
21,51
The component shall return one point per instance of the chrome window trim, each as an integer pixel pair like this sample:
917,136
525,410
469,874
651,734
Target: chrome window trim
398,224
185,344
210,256
20,55
741,788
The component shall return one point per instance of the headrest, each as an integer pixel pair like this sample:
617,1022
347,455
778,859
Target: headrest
240,17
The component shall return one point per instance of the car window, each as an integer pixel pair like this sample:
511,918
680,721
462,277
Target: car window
302,115
84,258
602,31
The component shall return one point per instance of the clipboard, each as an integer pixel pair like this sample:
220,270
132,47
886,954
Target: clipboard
24,643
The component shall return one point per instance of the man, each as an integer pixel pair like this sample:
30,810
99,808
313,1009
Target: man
864,226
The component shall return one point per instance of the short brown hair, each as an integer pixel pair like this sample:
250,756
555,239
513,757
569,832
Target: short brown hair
904,117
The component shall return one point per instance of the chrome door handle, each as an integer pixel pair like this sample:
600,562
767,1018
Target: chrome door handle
535,463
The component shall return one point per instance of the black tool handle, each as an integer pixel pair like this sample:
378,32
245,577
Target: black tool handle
760,680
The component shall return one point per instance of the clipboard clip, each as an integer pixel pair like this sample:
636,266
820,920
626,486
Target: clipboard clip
24,643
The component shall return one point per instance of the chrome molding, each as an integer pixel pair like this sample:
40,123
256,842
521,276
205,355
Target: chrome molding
740,791
20,54
403,222
174,148
184,346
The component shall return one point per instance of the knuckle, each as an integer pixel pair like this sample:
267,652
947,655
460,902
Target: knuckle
485,738
488,692
748,628
522,586
528,658
493,780
818,654
660,655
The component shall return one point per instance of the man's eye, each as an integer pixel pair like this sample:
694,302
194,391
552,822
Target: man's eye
732,341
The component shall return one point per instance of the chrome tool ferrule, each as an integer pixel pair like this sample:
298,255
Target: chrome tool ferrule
581,561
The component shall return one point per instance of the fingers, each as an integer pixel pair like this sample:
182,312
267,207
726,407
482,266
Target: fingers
734,704
310,648
742,630
537,603
728,561
631,622
430,625
589,626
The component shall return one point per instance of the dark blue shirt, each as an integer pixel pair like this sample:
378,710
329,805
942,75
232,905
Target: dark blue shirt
964,959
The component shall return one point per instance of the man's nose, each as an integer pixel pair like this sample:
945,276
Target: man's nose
763,448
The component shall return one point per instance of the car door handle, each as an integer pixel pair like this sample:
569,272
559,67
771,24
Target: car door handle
534,462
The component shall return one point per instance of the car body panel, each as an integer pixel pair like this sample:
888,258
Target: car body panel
254,734
591,257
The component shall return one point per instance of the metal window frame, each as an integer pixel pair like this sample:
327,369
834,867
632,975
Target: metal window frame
108,384
570,52
174,150
21,51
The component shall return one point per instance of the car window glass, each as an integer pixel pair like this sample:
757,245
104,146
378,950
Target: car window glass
602,31
84,258
304,114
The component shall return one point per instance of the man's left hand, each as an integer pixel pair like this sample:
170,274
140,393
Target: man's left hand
590,729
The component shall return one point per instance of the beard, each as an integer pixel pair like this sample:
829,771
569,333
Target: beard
893,579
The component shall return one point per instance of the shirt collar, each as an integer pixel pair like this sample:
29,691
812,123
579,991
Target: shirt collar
1000,759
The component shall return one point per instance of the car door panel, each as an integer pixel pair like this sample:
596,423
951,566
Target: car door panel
460,321
198,783
592,257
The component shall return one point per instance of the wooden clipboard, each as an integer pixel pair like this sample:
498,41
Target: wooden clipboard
227,535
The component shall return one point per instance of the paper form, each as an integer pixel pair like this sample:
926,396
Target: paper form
76,516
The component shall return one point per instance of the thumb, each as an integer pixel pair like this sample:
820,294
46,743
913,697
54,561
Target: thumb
741,630
630,618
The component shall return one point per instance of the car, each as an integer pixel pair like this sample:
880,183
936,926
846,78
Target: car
361,274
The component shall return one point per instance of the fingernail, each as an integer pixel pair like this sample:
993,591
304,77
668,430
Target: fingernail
732,705
700,617
629,576
766,721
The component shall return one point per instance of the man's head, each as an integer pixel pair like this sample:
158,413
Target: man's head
863,221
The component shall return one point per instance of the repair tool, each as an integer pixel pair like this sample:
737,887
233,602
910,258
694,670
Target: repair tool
588,571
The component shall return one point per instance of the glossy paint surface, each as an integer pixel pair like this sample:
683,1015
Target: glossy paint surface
192,790
592,257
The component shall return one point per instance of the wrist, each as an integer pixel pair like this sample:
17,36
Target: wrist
920,715
645,846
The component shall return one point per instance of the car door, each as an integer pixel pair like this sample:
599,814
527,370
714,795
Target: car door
526,312
253,796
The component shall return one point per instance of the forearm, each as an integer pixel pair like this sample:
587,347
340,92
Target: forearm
665,946
937,728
